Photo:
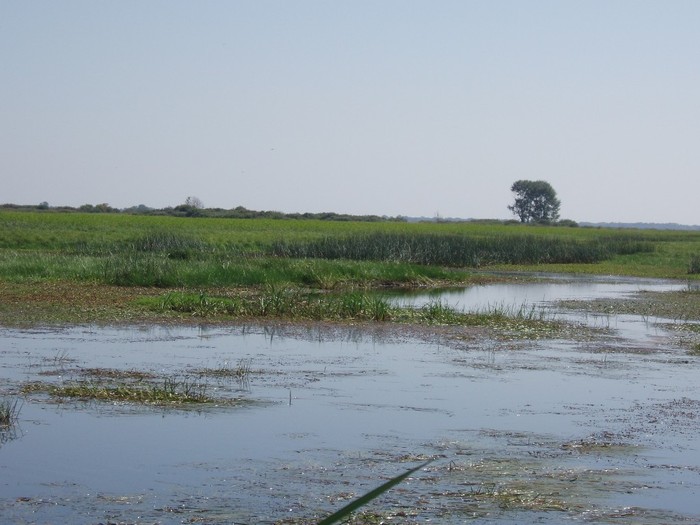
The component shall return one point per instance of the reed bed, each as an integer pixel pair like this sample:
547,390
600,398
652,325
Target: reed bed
462,250
694,265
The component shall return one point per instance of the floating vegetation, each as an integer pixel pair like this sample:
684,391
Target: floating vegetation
680,306
103,373
169,391
240,372
597,446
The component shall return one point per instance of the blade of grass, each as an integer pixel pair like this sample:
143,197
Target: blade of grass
363,500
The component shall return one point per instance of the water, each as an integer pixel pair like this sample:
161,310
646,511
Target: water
554,288
546,294
517,429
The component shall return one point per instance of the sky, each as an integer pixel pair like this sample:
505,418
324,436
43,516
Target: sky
386,107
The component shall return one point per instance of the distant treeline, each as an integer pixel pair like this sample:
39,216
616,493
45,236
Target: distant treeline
643,225
188,210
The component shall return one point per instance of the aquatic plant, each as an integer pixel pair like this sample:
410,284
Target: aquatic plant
170,391
363,500
9,411
240,371
439,312
694,350
694,265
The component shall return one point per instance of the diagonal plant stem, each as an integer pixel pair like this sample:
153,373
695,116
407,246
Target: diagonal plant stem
363,500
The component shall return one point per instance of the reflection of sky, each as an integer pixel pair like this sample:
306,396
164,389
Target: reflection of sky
518,294
513,296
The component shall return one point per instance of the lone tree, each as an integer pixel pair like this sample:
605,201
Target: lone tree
535,201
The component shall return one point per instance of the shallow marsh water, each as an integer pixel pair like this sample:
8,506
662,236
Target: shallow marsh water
546,431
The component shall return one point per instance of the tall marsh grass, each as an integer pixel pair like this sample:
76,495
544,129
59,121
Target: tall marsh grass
462,250
694,265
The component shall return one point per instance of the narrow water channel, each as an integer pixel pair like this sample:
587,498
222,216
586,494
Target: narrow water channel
545,431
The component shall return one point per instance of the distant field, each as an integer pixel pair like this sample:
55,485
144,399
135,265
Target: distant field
125,249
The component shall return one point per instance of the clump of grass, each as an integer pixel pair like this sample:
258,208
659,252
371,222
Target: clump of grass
277,302
113,373
694,265
240,371
172,245
438,312
695,350
140,270
9,412
198,304
170,391
522,312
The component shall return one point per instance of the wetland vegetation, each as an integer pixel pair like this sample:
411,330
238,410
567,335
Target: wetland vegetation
119,315
63,267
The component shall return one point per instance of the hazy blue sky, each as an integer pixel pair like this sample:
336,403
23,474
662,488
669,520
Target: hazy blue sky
382,107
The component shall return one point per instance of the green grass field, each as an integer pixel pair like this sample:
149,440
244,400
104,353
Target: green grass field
132,250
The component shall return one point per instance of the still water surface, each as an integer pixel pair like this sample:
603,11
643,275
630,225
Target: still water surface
597,431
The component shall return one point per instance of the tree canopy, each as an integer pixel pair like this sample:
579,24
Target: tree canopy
535,201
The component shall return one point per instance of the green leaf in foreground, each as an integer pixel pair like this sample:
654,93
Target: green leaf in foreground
363,500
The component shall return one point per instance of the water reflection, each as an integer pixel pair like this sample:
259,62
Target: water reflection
480,297
630,330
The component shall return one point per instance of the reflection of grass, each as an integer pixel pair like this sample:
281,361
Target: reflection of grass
9,411
168,392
